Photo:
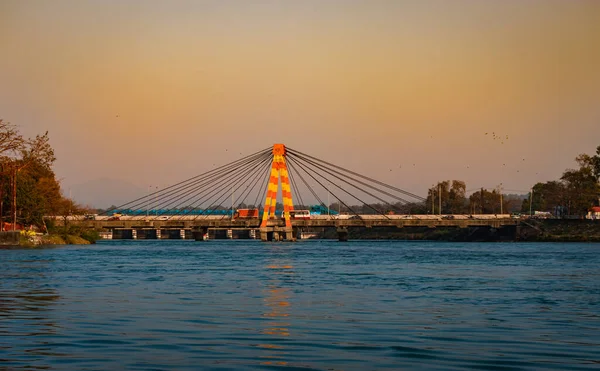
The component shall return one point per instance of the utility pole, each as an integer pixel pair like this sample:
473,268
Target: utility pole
530,202
501,206
328,204
440,197
433,200
14,203
481,200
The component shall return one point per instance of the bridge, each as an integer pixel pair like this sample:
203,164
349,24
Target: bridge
191,207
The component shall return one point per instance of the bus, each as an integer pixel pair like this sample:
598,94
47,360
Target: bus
300,214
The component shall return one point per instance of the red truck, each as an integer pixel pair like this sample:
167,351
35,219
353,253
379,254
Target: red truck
246,214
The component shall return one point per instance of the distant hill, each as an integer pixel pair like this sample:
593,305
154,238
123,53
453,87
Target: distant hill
104,192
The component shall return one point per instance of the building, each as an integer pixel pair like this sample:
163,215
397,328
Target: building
594,213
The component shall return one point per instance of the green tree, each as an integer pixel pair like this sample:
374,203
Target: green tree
548,197
487,202
457,200
581,189
28,186
453,199
595,163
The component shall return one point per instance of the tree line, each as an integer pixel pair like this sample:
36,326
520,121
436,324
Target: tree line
28,186
573,194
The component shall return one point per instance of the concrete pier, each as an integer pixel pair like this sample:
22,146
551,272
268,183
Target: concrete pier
342,234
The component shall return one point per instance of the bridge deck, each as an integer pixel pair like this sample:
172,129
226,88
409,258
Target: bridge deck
141,223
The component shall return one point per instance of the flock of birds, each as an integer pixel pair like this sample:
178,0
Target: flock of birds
494,136
499,137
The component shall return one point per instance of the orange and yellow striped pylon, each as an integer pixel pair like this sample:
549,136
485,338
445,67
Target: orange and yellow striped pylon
278,170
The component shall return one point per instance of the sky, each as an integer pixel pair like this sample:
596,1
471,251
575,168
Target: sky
408,92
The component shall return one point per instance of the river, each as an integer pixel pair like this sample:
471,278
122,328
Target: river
310,305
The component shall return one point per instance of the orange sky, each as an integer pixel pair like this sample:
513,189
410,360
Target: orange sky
411,86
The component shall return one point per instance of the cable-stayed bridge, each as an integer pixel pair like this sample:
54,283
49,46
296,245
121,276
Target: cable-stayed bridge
267,192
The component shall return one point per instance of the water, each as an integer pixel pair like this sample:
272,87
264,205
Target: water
235,305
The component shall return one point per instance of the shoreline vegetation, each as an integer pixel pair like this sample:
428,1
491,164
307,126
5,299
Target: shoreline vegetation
33,239
550,230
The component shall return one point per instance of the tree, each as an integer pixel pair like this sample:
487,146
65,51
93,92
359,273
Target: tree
595,163
581,190
549,197
11,141
575,192
453,199
487,202
26,175
457,197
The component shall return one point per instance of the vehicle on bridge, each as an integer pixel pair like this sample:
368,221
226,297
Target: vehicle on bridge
300,214
296,214
246,214
321,210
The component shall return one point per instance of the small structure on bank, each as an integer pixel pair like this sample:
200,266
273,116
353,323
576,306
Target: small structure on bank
594,213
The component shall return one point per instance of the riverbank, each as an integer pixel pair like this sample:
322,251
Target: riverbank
32,239
560,230
54,239
531,230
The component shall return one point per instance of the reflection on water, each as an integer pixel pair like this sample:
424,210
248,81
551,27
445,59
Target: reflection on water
245,305
277,304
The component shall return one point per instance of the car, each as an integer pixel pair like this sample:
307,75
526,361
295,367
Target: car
113,218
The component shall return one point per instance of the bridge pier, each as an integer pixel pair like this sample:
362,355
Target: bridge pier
170,234
277,234
198,233
289,235
264,235
122,234
146,234
342,234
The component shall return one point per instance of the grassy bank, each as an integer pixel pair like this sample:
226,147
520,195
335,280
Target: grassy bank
32,239
69,239
558,230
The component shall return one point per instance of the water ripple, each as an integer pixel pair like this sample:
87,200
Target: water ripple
319,305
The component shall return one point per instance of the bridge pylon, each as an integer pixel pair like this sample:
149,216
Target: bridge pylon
279,171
